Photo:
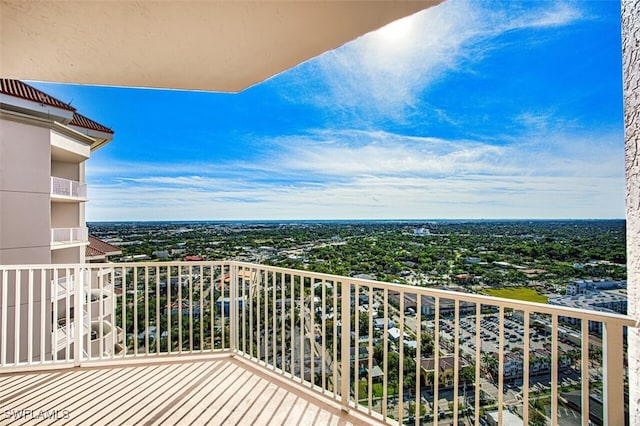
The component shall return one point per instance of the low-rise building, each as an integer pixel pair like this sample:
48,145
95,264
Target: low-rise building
596,300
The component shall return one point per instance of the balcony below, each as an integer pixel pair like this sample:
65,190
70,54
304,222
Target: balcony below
222,390
68,237
66,190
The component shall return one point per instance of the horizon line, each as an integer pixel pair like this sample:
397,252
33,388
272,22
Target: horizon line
363,220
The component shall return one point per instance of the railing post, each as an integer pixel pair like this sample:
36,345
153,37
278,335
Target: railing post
233,306
613,374
78,316
345,320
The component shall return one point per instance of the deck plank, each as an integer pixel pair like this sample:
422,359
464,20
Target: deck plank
220,391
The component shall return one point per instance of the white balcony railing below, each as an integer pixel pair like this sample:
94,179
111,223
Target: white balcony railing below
67,188
62,236
63,286
64,335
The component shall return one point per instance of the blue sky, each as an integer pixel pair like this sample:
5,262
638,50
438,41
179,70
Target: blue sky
470,109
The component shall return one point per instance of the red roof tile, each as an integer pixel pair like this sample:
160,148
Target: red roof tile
193,258
91,252
98,247
87,123
22,90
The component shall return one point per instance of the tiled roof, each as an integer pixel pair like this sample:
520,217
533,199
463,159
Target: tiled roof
92,252
22,90
87,123
98,247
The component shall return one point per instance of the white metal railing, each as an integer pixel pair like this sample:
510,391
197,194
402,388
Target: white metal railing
62,286
64,334
62,187
62,282
69,235
392,351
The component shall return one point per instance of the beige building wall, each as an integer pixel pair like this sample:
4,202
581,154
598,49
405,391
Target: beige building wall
25,169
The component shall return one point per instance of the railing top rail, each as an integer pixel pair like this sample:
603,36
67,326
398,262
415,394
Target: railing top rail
463,297
57,178
401,288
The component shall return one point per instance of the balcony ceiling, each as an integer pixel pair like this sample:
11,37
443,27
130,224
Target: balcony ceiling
204,45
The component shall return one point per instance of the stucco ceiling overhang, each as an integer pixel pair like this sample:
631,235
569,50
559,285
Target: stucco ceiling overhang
223,46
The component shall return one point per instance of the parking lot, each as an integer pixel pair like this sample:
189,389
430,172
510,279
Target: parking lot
489,334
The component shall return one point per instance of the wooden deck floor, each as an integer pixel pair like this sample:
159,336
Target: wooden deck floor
223,391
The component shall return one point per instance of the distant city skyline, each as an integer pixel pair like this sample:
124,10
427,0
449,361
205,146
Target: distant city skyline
467,110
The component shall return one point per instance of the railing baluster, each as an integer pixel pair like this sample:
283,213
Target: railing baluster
233,307
301,313
190,278
283,309
67,315
292,346
456,359
135,310
255,280
265,284
251,300
180,344
273,320
169,289
5,317
385,354
201,312
55,298
345,321
17,309
146,311
436,357
500,364
525,374
43,305
325,385
584,371
123,279
476,402
224,291
613,365
78,311
401,362
244,309
418,357
554,370
370,351
101,314
212,308
157,322
356,345
312,338
30,318
335,339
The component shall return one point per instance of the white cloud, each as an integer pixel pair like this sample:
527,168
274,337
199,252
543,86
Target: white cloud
356,174
354,153
372,197
384,72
